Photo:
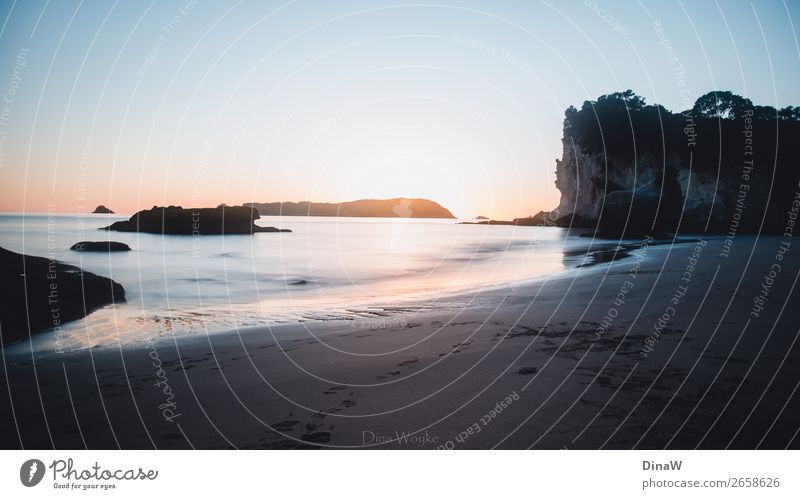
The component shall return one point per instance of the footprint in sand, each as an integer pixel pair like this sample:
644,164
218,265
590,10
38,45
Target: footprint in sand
285,425
319,437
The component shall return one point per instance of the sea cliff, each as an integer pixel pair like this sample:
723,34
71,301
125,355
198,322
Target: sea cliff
724,166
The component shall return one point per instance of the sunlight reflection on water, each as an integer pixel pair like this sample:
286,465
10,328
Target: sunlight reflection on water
327,268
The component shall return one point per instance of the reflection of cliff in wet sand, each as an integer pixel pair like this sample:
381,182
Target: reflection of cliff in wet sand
37,294
194,221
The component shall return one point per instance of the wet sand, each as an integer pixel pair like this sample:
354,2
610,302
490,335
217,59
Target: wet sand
651,349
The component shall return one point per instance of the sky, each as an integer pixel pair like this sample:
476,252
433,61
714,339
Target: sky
192,102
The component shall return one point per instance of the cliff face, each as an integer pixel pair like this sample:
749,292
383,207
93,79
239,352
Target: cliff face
588,180
628,168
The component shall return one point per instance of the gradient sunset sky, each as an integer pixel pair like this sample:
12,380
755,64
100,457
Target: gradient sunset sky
135,104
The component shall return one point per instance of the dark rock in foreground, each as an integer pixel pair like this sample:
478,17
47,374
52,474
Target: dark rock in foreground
194,221
37,294
102,209
103,246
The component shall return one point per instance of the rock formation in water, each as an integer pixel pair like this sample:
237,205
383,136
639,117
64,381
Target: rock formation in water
388,208
37,294
194,221
100,246
102,209
540,219
725,166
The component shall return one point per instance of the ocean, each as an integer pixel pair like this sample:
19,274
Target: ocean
326,268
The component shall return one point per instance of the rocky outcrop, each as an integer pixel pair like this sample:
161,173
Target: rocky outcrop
176,220
543,218
628,168
386,208
102,209
100,246
489,222
540,219
38,294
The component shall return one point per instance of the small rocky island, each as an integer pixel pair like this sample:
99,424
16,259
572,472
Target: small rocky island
100,246
37,294
176,220
103,209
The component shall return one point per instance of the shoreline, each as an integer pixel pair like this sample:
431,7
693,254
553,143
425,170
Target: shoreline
596,252
547,346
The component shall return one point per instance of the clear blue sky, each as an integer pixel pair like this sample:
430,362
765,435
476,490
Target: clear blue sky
132,104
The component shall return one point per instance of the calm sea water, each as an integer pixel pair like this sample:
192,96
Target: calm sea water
327,268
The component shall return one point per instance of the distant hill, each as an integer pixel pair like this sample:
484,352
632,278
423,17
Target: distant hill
387,208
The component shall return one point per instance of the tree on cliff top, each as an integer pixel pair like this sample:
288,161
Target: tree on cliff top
618,124
727,105
721,104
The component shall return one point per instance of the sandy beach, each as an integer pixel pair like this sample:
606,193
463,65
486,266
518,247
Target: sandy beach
672,346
